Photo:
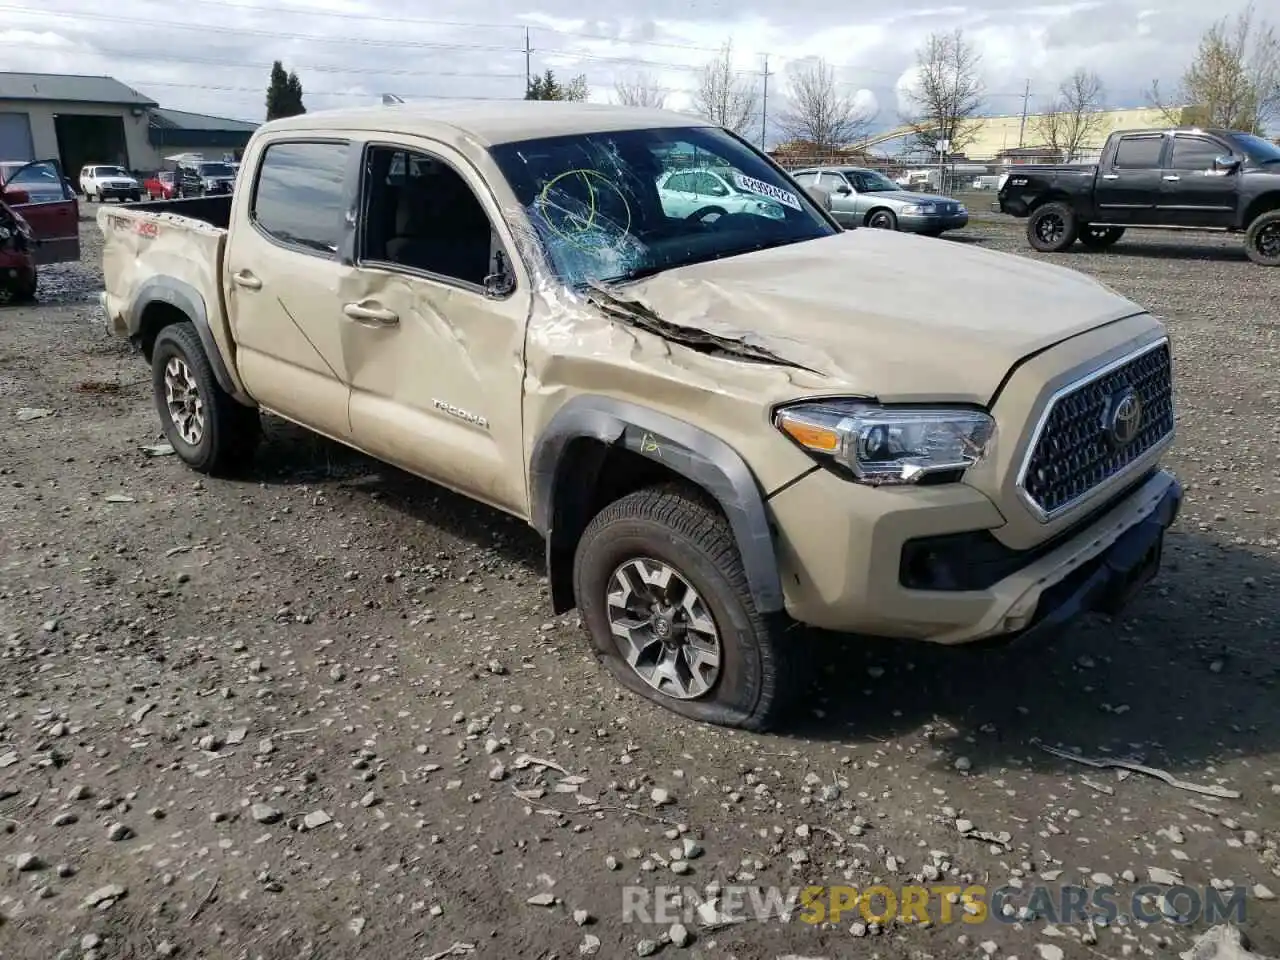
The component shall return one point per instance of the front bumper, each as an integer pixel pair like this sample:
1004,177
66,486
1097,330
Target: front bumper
840,568
932,223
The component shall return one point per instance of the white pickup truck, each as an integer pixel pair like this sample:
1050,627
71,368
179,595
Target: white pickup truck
723,426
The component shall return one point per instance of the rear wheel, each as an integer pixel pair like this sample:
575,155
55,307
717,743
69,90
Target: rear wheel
662,592
208,430
706,215
1052,228
1262,240
1099,238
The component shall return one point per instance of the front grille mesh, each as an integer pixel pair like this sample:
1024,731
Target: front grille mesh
1074,453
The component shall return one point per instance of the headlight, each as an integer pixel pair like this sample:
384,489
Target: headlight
888,444
961,208
919,208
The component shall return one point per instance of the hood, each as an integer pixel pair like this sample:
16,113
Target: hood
878,313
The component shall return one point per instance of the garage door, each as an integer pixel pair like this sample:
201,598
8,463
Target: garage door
15,137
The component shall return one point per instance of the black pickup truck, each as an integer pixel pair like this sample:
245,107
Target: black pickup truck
1183,179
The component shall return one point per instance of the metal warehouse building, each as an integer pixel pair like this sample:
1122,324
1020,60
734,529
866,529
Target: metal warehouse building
83,120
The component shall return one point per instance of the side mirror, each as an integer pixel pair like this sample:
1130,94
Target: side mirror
1227,164
843,190
16,197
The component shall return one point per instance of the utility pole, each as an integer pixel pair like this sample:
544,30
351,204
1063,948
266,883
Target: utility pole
1026,97
764,106
528,62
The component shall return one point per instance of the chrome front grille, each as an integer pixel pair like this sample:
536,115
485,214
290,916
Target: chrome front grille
1085,438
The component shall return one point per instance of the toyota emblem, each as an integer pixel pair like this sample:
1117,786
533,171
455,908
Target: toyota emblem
1124,417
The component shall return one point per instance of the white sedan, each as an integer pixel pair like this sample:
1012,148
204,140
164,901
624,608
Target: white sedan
708,195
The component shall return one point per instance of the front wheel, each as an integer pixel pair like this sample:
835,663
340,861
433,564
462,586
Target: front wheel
662,592
1262,240
883,220
206,427
1052,228
1099,238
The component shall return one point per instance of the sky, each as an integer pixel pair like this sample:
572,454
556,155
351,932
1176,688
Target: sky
214,56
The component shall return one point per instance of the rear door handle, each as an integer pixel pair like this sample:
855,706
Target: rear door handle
1172,176
247,280
1111,176
374,316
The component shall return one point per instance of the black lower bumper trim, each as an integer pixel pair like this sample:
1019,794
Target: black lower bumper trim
1110,580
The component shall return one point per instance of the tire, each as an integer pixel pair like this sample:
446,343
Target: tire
882,220
136,197
1262,239
756,679
1052,228
699,215
226,432
1100,238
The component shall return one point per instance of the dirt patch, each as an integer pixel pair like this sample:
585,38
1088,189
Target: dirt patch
292,716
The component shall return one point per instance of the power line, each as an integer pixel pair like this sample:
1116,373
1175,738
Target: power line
352,94
300,65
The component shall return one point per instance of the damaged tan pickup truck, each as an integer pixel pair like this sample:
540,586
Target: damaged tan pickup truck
725,415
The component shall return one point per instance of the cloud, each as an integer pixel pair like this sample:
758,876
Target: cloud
211,56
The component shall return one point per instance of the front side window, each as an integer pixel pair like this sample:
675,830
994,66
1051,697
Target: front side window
299,197
420,214
1194,153
595,203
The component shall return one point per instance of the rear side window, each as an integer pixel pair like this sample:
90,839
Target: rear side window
298,198
1139,153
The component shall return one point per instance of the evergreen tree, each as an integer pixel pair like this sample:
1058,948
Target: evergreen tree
284,93
547,87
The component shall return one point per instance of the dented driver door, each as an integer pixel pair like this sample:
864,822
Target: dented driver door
434,316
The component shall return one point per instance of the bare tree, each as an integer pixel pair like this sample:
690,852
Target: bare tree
947,94
640,90
1234,80
1074,119
723,96
819,113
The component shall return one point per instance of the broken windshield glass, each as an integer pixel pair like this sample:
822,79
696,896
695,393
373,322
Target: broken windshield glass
607,207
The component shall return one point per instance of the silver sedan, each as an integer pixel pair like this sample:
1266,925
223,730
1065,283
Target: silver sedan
867,198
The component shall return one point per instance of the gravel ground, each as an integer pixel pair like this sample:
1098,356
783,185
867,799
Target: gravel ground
294,716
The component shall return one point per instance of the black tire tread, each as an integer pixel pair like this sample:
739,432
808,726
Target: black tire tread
1251,235
689,516
234,430
1069,237
1112,237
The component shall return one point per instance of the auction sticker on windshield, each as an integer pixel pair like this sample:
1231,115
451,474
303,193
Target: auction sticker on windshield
752,185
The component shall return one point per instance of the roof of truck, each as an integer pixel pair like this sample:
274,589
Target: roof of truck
489,121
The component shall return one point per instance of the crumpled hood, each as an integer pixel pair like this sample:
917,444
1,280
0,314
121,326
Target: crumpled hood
883,314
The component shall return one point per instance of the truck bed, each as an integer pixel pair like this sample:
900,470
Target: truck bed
174,244
215,211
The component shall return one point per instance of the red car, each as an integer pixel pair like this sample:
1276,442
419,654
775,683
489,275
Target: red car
39,224
159,186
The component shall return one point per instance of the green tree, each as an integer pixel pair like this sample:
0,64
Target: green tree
547,87
284,93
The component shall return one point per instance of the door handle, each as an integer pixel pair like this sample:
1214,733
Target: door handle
247,280
374,316
1111,176
1172,176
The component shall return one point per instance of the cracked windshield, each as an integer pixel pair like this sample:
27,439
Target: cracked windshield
682,480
